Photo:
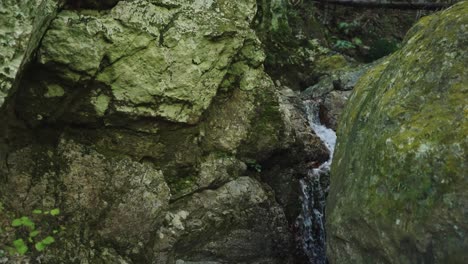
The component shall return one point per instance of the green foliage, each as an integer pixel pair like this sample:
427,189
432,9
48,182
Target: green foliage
41,245
23,221
20,246
34,233
31,232
357,41
55,212
346,27
343,45
253,165
346,38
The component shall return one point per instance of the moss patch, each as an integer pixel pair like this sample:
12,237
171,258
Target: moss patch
402,148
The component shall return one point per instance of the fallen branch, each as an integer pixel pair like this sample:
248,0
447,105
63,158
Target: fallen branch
389,4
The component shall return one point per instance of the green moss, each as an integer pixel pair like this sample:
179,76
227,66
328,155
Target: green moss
54,90
402,143
101,103
267,128
182,185
331,63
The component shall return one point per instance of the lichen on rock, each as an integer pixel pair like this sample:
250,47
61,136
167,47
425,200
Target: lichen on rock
398,183
188,47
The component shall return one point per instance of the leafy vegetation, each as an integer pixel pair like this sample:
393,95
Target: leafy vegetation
347,40
29,234
343,44
346,27
254,165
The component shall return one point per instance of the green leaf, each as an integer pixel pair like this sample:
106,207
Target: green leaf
343,25
48,240
37,211
55,212
20,246
344,44
34,233
40,246
55,232
357,41
17,222
27,222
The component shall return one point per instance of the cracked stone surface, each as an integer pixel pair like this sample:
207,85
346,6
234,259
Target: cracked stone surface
150,59
22,25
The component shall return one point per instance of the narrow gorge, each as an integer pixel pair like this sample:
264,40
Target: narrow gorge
224,132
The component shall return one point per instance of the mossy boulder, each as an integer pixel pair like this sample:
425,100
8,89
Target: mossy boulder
399,177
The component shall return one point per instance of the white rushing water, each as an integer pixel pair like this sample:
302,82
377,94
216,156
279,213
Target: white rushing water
327,135
314,190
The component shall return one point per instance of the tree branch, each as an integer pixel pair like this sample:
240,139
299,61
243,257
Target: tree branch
419,5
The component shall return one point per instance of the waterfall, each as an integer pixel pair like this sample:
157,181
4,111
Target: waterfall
311,222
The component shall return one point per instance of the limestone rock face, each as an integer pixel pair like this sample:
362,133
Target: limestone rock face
398,181
155,130
22,25
188,46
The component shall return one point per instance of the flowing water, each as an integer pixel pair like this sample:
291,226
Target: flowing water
314,191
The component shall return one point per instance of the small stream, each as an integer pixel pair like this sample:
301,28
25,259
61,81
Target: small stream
314,191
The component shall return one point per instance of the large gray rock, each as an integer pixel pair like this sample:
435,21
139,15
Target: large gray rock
230,209
123,196
153,127
188,46
399,191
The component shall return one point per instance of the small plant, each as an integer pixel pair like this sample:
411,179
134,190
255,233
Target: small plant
253,165
343,45
346,27
357,41
29,235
